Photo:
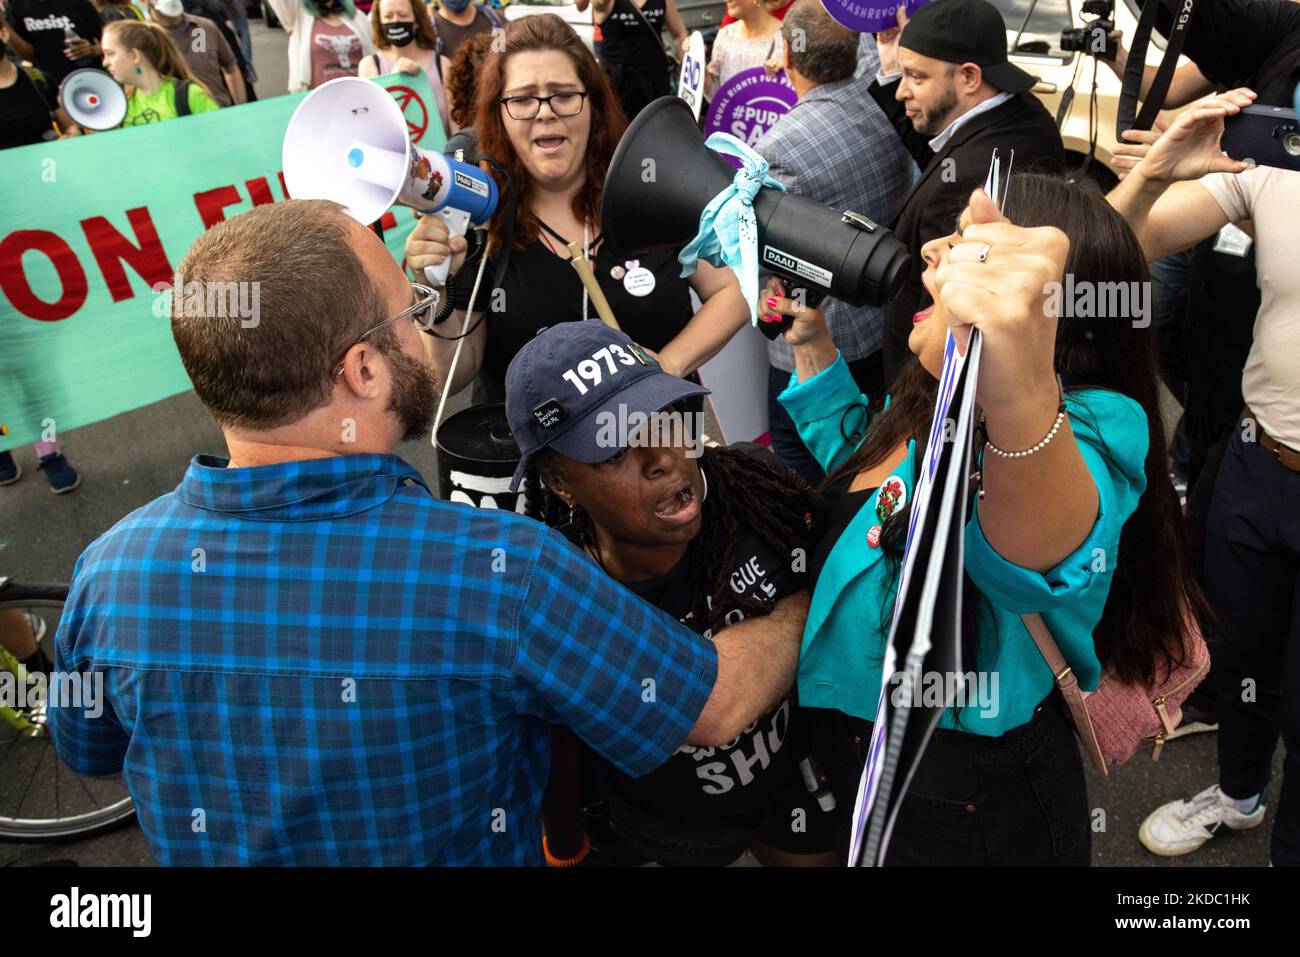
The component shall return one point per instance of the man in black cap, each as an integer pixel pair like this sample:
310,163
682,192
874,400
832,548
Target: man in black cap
953,98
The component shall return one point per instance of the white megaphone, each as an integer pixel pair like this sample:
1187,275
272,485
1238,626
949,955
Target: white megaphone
93,99
348,142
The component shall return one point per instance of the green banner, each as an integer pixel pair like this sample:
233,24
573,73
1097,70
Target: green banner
89,226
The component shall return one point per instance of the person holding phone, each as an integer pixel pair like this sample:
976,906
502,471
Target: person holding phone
59,36
1184,190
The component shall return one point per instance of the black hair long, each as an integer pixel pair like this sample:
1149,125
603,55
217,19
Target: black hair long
1153,592
744,489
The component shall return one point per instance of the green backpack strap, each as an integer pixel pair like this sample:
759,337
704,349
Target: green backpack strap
181,97
38,80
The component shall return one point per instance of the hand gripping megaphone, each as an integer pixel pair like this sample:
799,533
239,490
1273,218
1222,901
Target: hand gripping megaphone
814,248
93,99
348,142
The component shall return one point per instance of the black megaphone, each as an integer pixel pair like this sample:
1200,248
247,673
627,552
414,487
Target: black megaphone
662,176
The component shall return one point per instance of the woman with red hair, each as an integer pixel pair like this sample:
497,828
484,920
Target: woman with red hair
547,113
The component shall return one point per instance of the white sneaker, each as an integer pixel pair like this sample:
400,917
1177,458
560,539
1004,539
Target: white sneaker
1181,827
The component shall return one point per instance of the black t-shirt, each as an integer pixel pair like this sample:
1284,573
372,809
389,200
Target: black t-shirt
540,289
1243,42
839,508
731,786
25,112
41,23
625,40
453,35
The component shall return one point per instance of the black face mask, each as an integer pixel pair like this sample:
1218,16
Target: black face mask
399,33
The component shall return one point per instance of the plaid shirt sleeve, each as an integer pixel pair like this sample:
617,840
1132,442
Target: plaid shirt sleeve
627,678
86,733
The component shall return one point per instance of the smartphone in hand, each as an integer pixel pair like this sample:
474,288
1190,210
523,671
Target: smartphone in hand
1269,135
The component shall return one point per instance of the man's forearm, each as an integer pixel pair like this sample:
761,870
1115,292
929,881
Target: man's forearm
235,83
757,659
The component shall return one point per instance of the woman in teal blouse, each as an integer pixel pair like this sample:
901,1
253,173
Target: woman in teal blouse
1082,526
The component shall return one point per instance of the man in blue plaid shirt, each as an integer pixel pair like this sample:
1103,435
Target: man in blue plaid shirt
310,659
835,146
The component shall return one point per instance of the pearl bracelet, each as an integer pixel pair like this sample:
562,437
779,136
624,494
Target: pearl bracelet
1025,453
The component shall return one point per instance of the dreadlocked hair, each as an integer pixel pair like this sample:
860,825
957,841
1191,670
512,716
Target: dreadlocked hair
743,490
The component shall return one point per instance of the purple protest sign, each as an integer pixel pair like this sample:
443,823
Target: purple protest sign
747,105
869,16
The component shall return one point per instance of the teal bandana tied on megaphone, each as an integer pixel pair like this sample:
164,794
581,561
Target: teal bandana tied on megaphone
728,233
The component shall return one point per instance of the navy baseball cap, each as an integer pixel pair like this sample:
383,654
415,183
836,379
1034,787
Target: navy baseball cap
559,384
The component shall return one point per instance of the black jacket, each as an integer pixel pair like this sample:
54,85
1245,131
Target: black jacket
934,203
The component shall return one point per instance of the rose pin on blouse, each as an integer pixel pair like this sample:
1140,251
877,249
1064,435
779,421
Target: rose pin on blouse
890,499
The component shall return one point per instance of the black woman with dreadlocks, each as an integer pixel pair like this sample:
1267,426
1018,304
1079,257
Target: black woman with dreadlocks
710,536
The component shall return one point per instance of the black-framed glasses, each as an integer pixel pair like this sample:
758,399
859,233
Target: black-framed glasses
420,312
568,103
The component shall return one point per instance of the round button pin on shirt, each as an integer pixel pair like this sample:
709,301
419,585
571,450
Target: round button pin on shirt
639,281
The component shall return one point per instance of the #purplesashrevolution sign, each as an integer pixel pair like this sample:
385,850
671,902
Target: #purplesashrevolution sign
747,105
869,16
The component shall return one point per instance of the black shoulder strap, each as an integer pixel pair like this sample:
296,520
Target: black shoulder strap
1128,118
181,97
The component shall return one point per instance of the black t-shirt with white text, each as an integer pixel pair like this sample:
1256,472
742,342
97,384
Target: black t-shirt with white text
738,780
41,23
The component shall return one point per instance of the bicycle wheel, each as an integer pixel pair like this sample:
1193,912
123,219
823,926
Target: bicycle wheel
41,799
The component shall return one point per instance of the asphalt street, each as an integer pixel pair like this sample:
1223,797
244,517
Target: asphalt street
128,460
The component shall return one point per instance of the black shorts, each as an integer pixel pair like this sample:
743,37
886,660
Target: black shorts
792,822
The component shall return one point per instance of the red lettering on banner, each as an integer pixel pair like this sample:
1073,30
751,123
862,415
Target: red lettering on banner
212,204
14,281
388,221
284,189
259,190
111,249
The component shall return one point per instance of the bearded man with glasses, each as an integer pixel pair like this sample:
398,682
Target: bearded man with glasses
329,662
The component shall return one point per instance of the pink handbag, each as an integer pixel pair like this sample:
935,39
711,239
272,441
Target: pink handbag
1114,721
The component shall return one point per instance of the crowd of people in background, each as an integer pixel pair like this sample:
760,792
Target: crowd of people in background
767,691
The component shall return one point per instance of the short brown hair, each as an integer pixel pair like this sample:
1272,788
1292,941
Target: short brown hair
314,301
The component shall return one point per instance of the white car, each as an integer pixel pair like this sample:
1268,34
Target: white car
1055,69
